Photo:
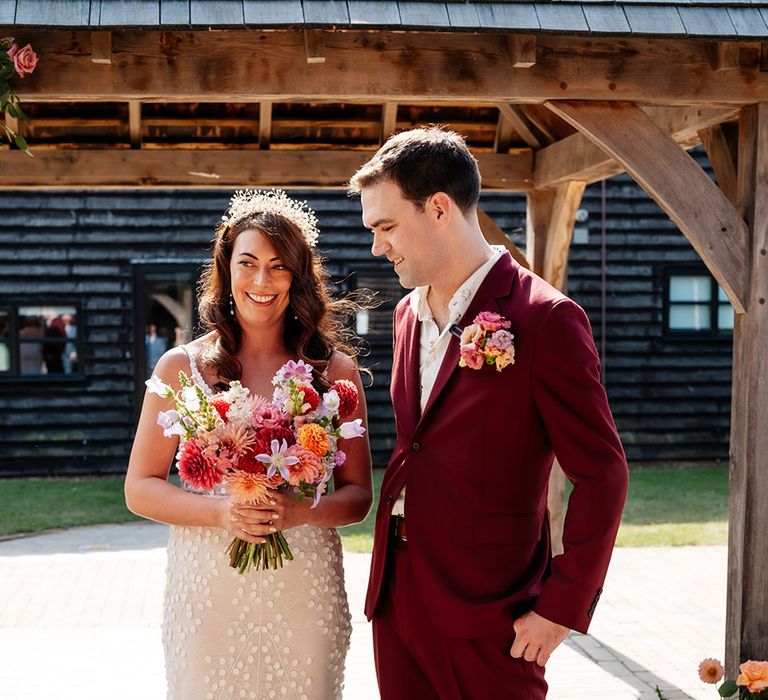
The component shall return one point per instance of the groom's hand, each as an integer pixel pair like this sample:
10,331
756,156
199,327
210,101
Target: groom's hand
536,638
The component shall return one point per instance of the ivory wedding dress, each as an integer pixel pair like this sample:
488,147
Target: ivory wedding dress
264,634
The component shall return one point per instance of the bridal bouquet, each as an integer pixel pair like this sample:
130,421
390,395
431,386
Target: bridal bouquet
251,446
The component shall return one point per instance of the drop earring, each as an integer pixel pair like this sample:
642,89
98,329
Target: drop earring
231,305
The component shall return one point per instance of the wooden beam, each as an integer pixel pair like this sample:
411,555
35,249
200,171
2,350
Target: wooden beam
101,47
723,55
388,120
461,67
674,180
314,45
719,154
576,157
515,117
134,123
502,139
496,236
522,50
745,636
221,168
265,125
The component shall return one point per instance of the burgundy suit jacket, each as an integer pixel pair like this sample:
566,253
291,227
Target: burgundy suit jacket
477,464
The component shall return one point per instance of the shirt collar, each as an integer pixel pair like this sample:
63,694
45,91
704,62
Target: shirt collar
462,297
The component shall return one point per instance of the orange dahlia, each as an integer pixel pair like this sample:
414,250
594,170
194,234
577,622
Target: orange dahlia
348,398
245,487
307,468
313,438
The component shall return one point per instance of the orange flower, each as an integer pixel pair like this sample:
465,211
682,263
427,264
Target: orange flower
245,487
307,468
753,675
711,670
313,438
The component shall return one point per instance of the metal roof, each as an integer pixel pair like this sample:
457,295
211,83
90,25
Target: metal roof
734,19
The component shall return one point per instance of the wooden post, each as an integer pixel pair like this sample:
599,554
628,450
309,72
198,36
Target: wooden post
265,125
716,145
496,236
550,218
746,631
134,123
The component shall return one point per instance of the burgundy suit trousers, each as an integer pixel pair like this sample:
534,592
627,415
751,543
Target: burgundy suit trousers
416,662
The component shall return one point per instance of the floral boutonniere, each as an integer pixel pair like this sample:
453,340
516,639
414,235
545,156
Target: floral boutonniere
486,342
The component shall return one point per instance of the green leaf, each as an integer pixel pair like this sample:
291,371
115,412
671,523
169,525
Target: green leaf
20,114
727,689
11,109
21,142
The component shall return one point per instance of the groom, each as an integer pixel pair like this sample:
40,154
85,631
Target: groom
465,597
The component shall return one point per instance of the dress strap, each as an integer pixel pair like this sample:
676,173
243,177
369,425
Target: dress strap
197,378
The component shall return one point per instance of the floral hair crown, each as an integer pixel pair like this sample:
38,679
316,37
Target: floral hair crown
245,203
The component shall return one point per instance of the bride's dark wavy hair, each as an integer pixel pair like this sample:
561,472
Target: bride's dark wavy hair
314,321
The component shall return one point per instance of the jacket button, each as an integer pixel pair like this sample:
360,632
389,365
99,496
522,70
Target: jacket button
390,500
416,446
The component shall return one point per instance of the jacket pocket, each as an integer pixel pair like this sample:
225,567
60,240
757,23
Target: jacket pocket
507,528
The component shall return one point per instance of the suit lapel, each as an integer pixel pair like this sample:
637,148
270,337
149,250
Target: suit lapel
496,285
406,399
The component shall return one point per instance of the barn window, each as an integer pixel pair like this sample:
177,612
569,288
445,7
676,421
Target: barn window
696,304
40,341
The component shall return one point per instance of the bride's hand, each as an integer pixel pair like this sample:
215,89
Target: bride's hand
290,511
250,523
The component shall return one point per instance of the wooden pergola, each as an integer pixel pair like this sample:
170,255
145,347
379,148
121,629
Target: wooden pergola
552,96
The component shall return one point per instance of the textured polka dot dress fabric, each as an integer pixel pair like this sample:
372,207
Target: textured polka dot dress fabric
264,634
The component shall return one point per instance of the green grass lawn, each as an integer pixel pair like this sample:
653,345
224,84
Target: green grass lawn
665,507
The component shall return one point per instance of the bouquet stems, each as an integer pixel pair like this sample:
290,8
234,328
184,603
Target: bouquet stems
246,555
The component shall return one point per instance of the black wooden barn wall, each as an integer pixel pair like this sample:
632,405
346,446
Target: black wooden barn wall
670,396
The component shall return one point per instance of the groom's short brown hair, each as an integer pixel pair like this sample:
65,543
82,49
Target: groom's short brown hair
423,161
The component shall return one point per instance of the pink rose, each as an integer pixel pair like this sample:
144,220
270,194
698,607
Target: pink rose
491,321
471,357
24,59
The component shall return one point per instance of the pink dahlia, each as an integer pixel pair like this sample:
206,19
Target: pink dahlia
197,468
308,467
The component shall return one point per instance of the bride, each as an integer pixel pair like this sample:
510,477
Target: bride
263,634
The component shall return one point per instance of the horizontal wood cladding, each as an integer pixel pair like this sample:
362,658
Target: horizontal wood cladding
670,396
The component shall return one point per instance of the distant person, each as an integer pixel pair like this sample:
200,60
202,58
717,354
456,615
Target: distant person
31,354
155,346
70,348
53,347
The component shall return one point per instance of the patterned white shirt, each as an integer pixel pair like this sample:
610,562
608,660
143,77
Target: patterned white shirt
434,342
